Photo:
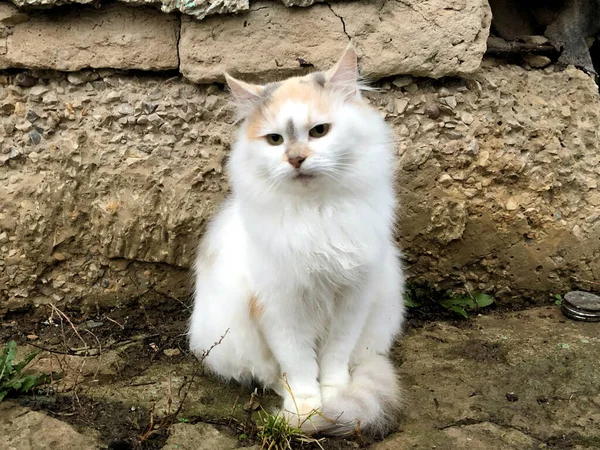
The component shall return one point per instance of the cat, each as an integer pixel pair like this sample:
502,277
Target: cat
298,272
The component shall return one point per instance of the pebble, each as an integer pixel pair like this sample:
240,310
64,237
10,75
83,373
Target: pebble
93,324
7,108
20,109
401,105
155,119
213,89
32,116
32,337
450,101
432,111
172,352
38,91
466,118
537,61
113,96
211,102
511,204
125,109
25,80
149,107
50,98
402,81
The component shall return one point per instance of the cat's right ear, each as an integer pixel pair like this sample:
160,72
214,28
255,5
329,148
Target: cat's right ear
246,95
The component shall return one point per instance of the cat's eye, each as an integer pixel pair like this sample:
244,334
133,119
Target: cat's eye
274,139
319,130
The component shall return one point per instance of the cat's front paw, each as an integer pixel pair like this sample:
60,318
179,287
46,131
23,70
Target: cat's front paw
334,385
329,392
300,409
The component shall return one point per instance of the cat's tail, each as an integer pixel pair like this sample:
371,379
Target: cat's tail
370,405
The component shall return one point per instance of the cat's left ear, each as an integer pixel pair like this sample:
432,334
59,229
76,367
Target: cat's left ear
344,75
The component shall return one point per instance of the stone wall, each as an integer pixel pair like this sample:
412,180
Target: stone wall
109,175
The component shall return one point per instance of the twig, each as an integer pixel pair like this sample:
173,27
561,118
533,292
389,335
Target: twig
189,383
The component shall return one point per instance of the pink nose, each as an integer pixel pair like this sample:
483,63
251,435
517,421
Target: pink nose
297,161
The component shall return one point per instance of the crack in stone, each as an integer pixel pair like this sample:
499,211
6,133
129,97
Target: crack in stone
341,19
177,43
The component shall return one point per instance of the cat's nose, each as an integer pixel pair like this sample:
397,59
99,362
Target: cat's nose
296,161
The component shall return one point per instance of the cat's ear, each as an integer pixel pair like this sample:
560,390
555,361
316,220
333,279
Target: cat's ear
344,74
246,95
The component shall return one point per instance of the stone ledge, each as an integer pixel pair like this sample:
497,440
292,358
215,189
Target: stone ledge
409,37
113,36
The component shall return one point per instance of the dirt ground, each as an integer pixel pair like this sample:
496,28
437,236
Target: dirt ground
505,380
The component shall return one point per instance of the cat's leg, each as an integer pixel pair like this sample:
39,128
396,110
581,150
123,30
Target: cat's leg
292,339
348,319
386,312
224,334
365,321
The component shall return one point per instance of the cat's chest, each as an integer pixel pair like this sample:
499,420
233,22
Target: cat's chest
329,239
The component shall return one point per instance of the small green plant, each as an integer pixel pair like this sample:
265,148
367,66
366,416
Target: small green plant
276,432
462,304
410,299
557,299
12,380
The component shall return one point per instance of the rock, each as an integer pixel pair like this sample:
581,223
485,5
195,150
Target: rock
400,105
50,98
537,61
125,109
34,137
534,40
172,352
23,429
450,101
155,119
494,350
38,91
113,96
114,36
79,78
511,204
216,45
432,111
11,16
200,436
402,81
25,80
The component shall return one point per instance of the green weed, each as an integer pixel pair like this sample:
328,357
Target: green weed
12,379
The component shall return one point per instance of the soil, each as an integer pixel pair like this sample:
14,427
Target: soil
466,379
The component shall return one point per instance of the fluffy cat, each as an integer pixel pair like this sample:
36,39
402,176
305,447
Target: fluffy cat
300,265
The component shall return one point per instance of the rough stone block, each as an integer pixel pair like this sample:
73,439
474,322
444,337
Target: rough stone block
114,36
424,38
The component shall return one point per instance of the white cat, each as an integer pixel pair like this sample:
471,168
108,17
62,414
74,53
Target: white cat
300,265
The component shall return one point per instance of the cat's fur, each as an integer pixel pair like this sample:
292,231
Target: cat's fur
300,265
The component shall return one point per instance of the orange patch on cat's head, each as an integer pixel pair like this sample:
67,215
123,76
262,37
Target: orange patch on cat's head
297,90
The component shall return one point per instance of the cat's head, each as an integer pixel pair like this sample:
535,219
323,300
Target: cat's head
306,133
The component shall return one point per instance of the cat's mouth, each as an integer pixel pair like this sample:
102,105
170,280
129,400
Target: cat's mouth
303,176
